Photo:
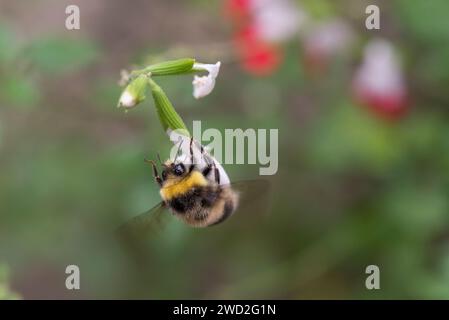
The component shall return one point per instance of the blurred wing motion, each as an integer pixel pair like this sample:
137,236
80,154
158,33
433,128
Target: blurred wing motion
149,221
253,196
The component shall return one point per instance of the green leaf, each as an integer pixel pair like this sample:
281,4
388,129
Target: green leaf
58,55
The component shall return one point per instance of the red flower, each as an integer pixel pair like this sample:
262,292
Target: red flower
389,106
379,82
256,56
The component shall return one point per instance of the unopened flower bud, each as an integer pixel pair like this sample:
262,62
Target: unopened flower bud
134,93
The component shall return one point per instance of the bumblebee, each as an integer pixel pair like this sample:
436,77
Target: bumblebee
200,196
193,196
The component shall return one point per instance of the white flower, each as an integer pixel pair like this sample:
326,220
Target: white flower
380,72
328,38
277,20
202,86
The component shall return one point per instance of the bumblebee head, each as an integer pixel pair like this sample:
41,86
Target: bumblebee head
173,172
176,178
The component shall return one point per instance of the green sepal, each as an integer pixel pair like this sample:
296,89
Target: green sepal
167,115
167,68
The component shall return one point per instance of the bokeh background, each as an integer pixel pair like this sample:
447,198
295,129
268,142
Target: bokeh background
354,187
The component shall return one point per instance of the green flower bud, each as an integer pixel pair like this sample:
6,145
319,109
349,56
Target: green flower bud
169,118
173,67
134,92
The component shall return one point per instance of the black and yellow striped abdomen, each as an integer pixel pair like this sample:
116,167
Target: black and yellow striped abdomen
204,205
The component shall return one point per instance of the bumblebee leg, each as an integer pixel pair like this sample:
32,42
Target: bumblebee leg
205,156
206,159
191,149
216,172
192,164
155,173
159,158
210,167
207,170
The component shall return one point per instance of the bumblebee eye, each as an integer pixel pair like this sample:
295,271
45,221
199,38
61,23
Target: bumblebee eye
164,175
178,169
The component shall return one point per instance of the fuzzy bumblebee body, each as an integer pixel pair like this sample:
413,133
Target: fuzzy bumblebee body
198,193
203,206
195,196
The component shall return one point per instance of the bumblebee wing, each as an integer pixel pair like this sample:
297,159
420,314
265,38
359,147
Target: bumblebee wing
254,195
149,221
139,232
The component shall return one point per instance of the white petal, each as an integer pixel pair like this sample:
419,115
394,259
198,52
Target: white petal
328,38
202,86
380,71
277,20
213,69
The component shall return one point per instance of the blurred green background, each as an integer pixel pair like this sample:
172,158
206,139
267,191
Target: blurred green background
352,189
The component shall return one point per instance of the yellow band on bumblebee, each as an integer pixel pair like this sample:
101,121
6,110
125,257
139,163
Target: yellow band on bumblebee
176,188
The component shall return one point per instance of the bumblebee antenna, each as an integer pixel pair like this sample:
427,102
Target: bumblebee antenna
160,161
153,164
159,158
155,173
